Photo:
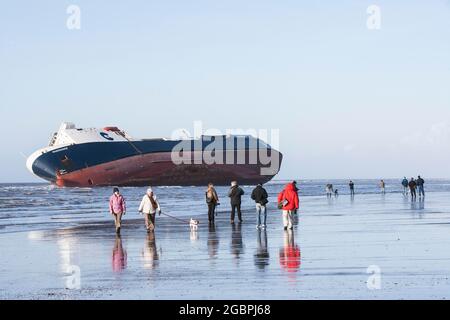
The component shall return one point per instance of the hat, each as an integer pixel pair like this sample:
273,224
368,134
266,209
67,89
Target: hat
149,190
115,190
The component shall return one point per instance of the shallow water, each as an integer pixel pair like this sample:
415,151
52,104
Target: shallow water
60,244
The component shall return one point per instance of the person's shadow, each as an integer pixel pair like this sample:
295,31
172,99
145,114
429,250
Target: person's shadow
150,255
213,242
237,245
290,256
262,253
119,256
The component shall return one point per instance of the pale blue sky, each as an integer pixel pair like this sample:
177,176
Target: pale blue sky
349,102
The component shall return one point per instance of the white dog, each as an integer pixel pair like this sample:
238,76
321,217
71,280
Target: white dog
194,224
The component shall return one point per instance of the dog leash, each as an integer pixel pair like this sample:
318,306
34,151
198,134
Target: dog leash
168,215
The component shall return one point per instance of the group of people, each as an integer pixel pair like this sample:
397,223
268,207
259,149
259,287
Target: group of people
288,202
412,186
149,207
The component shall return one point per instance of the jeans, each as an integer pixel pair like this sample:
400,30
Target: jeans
421,191
261,210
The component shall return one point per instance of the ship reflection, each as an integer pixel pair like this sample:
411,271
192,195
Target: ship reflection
213,242
150,255
290,257
119,256
237,246
262,253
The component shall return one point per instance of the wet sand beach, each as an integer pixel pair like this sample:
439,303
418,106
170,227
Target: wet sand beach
327,255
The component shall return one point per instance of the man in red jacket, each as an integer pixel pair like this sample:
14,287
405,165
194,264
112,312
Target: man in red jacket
289,201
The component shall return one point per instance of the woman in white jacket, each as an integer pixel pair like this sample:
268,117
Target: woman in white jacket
148,207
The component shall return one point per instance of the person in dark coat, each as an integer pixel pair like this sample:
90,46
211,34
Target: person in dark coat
259,195
235,195
412,188
420,182
212,200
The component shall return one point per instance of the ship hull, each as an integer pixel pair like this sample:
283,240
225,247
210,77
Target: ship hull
158,169
142,164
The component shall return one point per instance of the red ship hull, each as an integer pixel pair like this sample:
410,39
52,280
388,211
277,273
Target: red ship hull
159,169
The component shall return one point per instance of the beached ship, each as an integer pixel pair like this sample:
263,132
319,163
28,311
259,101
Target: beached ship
104,157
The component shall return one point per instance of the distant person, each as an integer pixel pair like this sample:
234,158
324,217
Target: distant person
420,182
336,193
288,202
260,196
212,200
148,207
117,208
405,185
383,187
352,188
329,190
412,188
235,195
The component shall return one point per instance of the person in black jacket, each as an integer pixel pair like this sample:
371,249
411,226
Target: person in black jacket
420,182
235,195
259,195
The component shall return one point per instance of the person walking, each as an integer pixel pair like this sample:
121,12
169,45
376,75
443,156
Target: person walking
259,195
329,190
288,201
405,184
148,207
117,208
352,188
212,200
383,187
420,182
235,195
412,188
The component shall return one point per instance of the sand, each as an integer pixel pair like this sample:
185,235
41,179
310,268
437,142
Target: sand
327,256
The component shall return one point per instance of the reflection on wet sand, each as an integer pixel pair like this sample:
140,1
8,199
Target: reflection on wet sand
290,257
119,256
213,241
262,253
237,246
150,254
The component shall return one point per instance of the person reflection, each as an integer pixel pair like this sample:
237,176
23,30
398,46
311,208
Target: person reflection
213,241
237,246
290,257
119,256
262,254
150,255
